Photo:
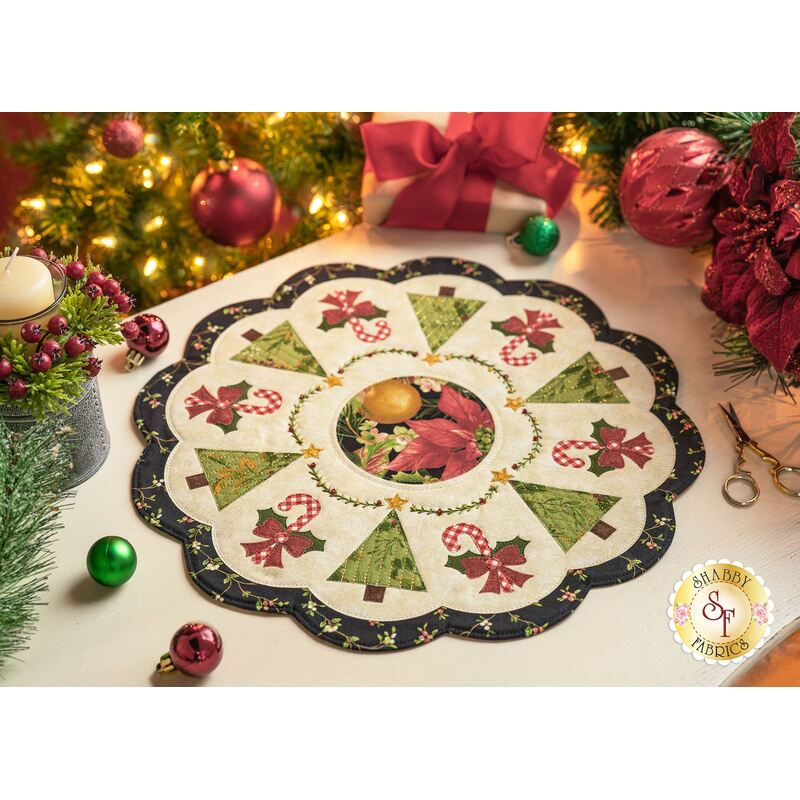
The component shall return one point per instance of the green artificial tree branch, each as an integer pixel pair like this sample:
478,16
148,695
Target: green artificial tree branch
34,466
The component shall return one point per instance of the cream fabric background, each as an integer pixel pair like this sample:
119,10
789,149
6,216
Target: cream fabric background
344,527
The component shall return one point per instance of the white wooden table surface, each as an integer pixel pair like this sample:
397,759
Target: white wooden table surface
89,635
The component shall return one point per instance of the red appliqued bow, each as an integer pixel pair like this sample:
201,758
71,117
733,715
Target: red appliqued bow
501,576
278,537
458,171
228,400
347,310
276,540
639,449
498,565
220,406
532,330
345,306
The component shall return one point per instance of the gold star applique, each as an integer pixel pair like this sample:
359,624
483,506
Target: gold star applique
514,403
432,359
396,503
311,451
500,476
333,380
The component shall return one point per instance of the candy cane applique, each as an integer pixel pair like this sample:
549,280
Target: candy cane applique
278,537
346,311
497,563
610,449
531,331
226,406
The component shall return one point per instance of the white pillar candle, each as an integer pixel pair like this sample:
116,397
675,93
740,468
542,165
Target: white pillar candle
26,287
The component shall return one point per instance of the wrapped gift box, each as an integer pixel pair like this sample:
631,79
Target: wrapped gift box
460,161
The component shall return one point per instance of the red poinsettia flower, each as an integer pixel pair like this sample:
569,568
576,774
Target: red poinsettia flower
220,406
532,327
276,540
449,443
639,449
754,278
345,307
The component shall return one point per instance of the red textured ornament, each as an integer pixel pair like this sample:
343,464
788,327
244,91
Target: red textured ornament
123,138
669,185
196,649
151,340
235,206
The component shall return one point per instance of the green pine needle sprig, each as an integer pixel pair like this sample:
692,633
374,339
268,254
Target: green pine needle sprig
34,466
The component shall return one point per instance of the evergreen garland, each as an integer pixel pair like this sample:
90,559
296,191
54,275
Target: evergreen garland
34,465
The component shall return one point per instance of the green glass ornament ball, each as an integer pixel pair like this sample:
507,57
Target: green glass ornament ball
539,235
111,561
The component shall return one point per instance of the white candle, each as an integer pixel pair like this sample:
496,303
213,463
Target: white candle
26,287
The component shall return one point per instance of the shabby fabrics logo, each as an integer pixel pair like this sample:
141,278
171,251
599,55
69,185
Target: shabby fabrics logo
720,612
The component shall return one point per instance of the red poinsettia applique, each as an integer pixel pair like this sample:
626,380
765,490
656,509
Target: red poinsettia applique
457,443
754,278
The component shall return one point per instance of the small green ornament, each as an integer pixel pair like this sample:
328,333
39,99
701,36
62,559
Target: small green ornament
111,561
539,235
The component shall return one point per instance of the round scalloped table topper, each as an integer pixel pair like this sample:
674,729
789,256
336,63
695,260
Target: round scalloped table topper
389,456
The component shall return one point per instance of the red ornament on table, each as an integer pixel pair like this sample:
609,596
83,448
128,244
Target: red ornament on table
123,138
669,186
195,649
237,205
151,340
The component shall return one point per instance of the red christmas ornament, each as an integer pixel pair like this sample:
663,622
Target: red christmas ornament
235,206
196,649
669,184
152,338
123,138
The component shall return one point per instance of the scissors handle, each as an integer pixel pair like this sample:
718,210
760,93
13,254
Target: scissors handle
777,472
742,477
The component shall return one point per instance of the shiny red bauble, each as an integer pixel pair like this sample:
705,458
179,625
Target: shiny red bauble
196,649
669,186
123,138
151,340
235,205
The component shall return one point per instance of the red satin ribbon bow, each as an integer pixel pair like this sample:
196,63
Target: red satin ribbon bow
501,576
276,539
346,307
458,171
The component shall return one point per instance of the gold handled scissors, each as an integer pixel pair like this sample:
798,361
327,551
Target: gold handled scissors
776,469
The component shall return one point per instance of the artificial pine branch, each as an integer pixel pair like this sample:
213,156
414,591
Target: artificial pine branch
744,363
34,466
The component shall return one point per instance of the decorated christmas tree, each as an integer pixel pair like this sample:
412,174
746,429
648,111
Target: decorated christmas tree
440,316
568,515
585,381
146,192
232,473
280,348
382,561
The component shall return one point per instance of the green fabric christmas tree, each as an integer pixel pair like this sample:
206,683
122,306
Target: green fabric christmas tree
382,561
281,348
441,316
585,381
232,473
567,514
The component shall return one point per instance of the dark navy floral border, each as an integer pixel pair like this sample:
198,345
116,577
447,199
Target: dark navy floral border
215,578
